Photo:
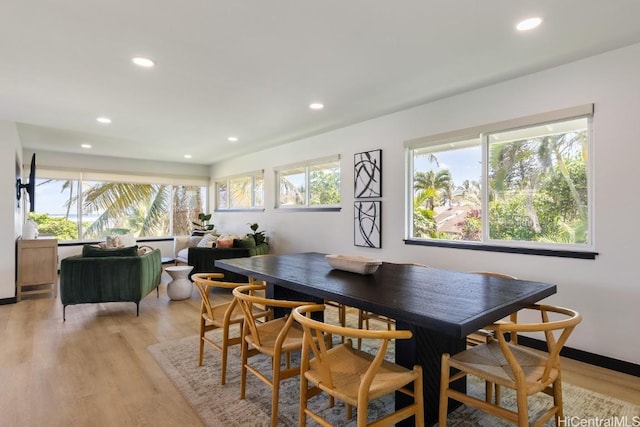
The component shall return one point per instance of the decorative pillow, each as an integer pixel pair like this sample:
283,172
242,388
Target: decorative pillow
193,241
113,242
95,251
144,249
207,241
247,243
224,243
128,240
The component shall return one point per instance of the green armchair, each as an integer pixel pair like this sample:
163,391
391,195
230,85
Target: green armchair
109,275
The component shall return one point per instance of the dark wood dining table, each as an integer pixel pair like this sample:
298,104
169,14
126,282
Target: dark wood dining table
440,307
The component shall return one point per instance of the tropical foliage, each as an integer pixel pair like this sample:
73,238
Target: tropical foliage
537,191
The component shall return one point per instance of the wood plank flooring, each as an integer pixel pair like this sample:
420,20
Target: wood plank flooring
94,369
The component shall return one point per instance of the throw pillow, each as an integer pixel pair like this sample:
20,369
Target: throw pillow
246,243
207,241
193,241
128,240
224,243
95,251
113,242
144,249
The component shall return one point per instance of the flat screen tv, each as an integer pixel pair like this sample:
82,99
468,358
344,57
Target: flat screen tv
30,186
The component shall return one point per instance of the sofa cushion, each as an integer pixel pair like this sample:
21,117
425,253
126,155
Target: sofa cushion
183,255
95,251
224,243
248,243
193,241
207,241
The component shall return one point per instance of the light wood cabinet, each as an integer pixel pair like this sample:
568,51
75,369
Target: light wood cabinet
37,267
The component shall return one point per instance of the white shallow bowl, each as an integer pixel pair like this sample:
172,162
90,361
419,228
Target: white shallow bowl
354,264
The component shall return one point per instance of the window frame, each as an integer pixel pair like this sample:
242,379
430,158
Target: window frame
306,167
482,133
254,176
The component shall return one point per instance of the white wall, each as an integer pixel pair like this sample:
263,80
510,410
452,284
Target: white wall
606,290
10,216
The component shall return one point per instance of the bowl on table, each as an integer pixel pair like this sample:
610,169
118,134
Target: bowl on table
353,263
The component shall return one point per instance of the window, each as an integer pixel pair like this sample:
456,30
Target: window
314,184
240,192
84,206
525,185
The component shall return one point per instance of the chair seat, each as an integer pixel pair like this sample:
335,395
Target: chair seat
487,361
219,313
348,365
269,333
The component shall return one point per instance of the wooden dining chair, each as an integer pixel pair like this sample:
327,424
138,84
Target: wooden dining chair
482,336
275,338
502,362
351,375
219,316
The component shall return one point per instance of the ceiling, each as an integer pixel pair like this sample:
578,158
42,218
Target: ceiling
250,68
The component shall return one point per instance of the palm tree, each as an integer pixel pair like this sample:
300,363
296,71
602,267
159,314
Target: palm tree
434,185
117,201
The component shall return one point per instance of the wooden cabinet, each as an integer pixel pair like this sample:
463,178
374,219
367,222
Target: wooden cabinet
37,265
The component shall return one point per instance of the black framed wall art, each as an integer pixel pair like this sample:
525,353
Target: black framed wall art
367,223
368,174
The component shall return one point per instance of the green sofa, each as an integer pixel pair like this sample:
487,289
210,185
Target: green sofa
203,259
109,275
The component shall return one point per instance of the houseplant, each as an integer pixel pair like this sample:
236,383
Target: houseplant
258,236
203,225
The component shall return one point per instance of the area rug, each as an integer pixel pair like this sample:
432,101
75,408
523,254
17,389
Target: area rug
221,406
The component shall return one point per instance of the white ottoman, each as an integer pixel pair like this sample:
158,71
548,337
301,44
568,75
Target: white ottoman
180,287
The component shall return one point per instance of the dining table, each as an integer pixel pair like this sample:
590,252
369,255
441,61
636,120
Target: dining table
440,307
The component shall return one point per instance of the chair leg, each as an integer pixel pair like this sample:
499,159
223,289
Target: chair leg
302,415
225,352
243,369
418,397
557,399
202,326
523,408
444,386
275,394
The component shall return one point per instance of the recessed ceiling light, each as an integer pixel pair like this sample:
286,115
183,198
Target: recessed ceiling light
104,120
232,139
529,24
143,62
316,106
85,145
188,156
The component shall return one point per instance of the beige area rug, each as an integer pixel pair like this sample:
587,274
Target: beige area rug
220,405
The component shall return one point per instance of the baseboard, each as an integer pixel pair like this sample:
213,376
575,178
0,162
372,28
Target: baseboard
586,357
5,301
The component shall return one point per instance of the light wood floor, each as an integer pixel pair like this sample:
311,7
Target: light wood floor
94,369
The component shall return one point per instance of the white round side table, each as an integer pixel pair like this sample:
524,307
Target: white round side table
180,287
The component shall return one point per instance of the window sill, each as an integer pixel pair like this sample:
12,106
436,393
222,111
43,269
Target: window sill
303,209
240,210
505,249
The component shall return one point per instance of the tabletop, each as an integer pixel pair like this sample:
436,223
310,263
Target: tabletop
449,302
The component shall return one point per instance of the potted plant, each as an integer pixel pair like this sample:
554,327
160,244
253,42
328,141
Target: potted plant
258,236
203,225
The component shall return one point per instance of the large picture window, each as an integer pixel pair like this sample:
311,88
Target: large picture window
74,208
313,184
526,186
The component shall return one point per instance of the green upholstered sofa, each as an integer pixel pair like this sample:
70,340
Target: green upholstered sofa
104,275
203,259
